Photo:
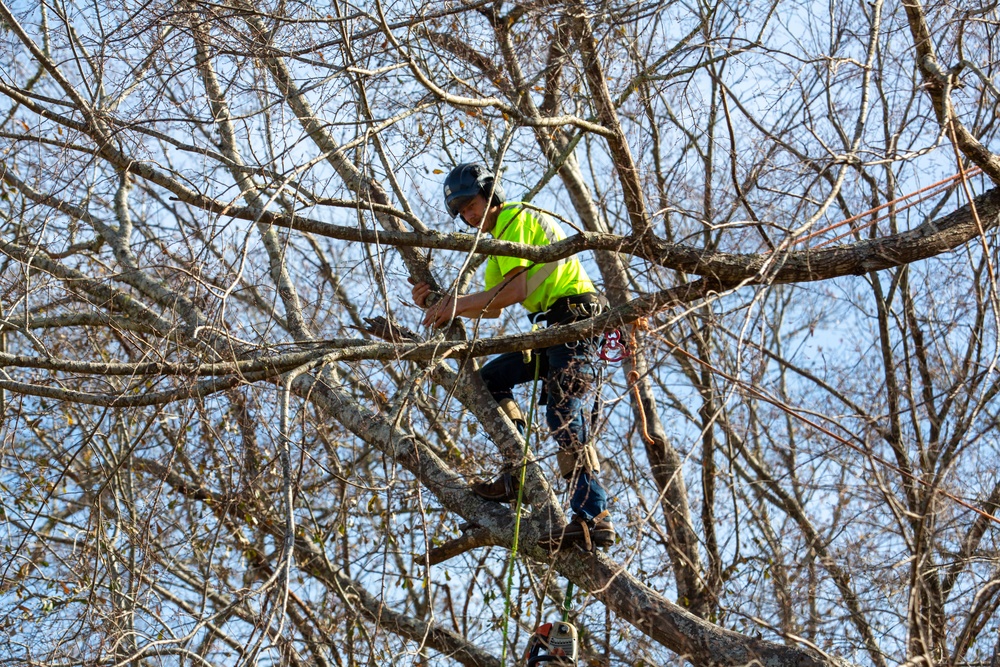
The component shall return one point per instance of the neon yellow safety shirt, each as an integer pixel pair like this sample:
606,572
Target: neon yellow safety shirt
546,282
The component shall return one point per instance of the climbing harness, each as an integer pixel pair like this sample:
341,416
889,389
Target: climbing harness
553,643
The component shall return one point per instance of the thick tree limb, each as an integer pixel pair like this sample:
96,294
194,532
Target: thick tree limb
928,240
621,154
938,83
696,640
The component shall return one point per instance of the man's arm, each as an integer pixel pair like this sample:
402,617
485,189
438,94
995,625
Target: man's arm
513,289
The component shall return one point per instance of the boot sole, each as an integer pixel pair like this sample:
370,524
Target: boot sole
603,538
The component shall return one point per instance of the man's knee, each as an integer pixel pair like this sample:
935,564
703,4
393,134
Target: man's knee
501,374
568,384
574,461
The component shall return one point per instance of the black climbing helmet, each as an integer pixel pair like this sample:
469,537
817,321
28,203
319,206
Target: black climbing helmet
465,182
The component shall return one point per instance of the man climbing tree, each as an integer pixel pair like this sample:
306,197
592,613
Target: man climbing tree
558,292
208,448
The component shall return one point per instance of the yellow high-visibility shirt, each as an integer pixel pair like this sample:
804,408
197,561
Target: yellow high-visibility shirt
546,282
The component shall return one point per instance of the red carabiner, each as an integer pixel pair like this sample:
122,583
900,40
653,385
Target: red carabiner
613,346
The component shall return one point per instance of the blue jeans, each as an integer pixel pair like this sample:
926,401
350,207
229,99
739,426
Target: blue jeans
568,373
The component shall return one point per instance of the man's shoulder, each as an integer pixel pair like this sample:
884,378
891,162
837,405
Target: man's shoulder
511,210
517,207
520,213
513,216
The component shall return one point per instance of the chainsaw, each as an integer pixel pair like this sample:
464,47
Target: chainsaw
556,643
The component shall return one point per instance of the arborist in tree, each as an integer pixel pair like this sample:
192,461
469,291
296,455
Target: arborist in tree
558,292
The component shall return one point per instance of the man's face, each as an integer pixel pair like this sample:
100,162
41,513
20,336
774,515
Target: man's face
474,213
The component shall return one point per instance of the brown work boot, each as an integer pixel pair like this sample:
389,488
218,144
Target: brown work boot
503,489
598,532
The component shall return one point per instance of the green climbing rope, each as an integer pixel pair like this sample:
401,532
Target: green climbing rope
517,518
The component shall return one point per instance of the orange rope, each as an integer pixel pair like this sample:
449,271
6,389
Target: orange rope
633,379
879,219
936,188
